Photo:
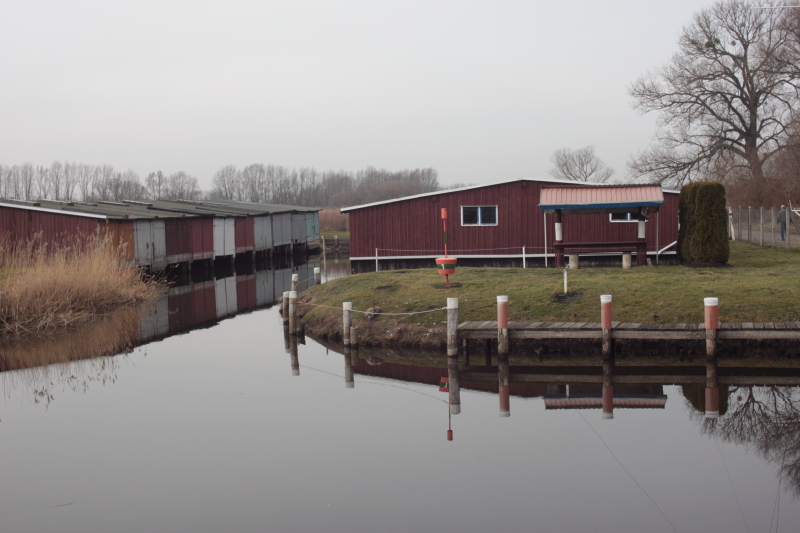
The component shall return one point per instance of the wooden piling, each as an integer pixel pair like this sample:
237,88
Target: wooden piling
503,378
292,312
711,306
285,309
452,327
317,276
502,325
453,386
347,321
295,279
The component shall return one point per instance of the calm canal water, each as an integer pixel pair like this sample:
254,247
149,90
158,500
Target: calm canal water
208,430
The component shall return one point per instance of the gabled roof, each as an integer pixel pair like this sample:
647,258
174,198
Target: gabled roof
448,191
584,185
609,196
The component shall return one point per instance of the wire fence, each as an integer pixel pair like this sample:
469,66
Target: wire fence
761,226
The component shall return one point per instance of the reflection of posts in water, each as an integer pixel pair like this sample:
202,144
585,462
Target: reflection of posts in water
502,325
317,276
503,375
353,336
286,338
608,385
293,353
712,384
349,382
292,312
453,386
347,322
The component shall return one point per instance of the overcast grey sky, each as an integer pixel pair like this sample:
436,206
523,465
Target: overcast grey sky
482,91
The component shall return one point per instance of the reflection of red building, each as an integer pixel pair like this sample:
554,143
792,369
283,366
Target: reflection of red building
625,395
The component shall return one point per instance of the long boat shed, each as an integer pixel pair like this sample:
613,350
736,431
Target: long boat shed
510,223
159,233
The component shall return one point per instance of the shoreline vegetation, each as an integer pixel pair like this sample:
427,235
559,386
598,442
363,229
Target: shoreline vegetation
761,285
45,289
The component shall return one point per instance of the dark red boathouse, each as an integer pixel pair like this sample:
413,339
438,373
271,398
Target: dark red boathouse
501,224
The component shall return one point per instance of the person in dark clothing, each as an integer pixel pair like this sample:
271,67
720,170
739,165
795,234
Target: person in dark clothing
782,221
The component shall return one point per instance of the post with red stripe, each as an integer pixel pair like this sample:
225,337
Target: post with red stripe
711,306
503,372
608,356
453,386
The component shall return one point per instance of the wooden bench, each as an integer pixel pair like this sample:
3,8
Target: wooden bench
640,247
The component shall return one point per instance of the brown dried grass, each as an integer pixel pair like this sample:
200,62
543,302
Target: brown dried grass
332,219
53,286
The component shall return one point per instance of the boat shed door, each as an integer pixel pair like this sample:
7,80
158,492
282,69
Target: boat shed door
159,244
230,236
143,237
219,237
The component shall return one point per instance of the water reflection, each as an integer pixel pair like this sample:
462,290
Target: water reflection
766,420
763,418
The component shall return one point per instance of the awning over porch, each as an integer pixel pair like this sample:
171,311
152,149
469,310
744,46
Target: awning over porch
619,198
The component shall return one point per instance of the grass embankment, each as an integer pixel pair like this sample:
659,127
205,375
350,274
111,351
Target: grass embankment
46,289
761,285
330,235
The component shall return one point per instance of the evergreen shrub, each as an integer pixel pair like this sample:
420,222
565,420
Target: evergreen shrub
703,235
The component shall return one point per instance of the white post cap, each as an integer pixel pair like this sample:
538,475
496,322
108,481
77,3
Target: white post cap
295,371
608,416
505,414
292,294
316,270
712,414
347,305
605,298
710,301
285,294
349,385
452,303
502,299
295,277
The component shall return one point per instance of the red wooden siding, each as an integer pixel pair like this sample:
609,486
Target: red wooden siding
201,236
22,224
414,227
178,240
245,235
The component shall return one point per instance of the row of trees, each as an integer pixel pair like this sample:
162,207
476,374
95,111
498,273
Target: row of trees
91,183
310,187
255,183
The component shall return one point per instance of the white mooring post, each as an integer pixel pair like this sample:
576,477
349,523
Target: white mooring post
565,281
347,321
452,327
502,356
524,265
295,281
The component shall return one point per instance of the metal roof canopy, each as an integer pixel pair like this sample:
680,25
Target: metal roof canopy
605,199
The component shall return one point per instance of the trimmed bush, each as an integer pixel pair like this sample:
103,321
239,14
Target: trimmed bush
703,235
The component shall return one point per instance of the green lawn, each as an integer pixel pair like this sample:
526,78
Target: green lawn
761,285
329,235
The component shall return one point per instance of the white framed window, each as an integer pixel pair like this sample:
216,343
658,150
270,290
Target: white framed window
478,215
624,217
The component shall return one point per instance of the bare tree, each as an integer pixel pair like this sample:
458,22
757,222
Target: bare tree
182,186
726,93
579,165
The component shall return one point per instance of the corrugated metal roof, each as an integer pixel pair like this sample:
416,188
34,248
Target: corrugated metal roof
606,196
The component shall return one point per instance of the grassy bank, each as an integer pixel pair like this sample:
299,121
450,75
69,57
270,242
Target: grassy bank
761,285
46,289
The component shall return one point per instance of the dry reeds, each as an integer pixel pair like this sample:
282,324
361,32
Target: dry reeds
332,219
47,287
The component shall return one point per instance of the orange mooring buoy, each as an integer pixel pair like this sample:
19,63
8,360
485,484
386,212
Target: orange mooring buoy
446,265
